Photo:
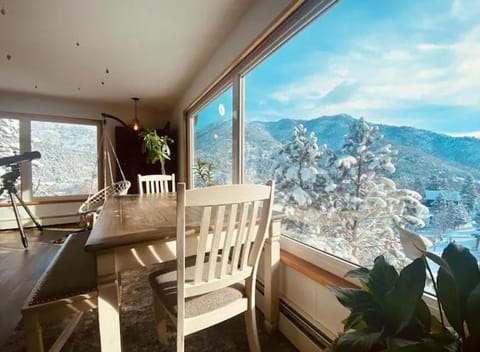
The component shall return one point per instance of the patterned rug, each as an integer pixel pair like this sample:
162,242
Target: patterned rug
138,328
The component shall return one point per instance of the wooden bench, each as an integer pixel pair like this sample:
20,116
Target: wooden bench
68,288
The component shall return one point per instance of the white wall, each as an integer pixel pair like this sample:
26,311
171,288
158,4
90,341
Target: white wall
13,102
252,24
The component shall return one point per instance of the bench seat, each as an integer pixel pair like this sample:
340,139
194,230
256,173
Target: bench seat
66,289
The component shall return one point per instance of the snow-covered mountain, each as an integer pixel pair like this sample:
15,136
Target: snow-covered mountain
421,153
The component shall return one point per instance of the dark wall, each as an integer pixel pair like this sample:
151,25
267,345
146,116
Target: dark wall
128,149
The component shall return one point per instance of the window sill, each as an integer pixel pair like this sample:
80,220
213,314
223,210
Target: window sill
44,201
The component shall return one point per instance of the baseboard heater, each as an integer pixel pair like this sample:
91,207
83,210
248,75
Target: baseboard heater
300,321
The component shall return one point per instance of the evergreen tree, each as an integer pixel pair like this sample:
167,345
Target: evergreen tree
296,175
469,194
459,214
441,218
476,220
364,202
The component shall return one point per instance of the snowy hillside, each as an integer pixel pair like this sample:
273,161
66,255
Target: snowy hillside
421,153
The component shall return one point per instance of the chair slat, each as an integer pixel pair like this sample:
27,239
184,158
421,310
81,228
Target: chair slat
250,235
212,259
232,218
239,240
155,183
202,243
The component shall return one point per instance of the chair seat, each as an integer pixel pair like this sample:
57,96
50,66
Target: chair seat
74,272
164,285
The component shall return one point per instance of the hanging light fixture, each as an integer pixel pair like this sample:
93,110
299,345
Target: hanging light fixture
136,123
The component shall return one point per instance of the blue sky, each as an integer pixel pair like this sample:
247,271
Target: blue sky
409,62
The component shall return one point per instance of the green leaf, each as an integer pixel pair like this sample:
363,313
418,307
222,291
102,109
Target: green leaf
464,267
440,262
382,278
420,324
360,273
353,298
402,300
450,301
472,314
454,291
357,341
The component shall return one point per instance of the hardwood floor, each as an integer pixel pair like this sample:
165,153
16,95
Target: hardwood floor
21,268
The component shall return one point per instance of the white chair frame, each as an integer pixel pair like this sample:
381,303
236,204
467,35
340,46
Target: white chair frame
155,183
233,229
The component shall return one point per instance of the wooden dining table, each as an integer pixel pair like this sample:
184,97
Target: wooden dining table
135,231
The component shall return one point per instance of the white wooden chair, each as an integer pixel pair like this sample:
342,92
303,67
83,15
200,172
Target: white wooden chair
155,183
219,282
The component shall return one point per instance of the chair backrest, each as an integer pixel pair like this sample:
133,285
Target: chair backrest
231,233
156,183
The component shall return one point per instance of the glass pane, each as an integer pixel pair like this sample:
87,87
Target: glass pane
212,159
9,146
68,165
373,126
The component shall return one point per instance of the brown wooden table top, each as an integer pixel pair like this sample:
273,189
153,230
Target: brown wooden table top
131,219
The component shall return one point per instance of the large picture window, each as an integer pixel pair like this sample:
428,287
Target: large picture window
212,159
68,166
368,119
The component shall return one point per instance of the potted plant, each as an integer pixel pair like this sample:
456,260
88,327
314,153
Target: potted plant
156,147
388,313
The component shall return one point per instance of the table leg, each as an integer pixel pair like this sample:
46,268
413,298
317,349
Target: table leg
108,302
272,276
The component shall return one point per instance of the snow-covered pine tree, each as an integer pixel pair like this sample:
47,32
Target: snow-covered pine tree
459,214
441,217
469,194
364,202
296,176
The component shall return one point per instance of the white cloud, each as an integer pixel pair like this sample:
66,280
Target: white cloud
475,134
434,74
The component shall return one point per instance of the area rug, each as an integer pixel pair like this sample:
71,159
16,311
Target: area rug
138,328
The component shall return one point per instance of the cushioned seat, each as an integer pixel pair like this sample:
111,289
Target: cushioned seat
164,284
74,272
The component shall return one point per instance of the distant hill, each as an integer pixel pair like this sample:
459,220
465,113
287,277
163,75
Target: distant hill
421,153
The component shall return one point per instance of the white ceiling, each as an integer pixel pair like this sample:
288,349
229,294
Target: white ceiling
152,48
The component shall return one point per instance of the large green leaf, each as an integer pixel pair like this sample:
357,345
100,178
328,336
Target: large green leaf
465,269
357,341
450,300
402,300
472,314
353,298
453,292
382,278
420,324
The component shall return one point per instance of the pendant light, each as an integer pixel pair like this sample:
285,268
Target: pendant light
136,124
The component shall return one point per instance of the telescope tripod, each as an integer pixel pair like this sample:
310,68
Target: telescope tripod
9,180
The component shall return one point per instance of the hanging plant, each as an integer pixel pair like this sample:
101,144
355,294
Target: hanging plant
156,147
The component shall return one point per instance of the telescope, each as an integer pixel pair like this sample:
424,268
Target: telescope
16,159
7,183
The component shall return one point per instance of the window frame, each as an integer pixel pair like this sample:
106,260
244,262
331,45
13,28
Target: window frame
25,144
304,13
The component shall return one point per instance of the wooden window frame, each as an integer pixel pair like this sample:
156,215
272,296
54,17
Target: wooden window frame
25,121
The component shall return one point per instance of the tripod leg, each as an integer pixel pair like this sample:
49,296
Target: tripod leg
19,220
28,212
